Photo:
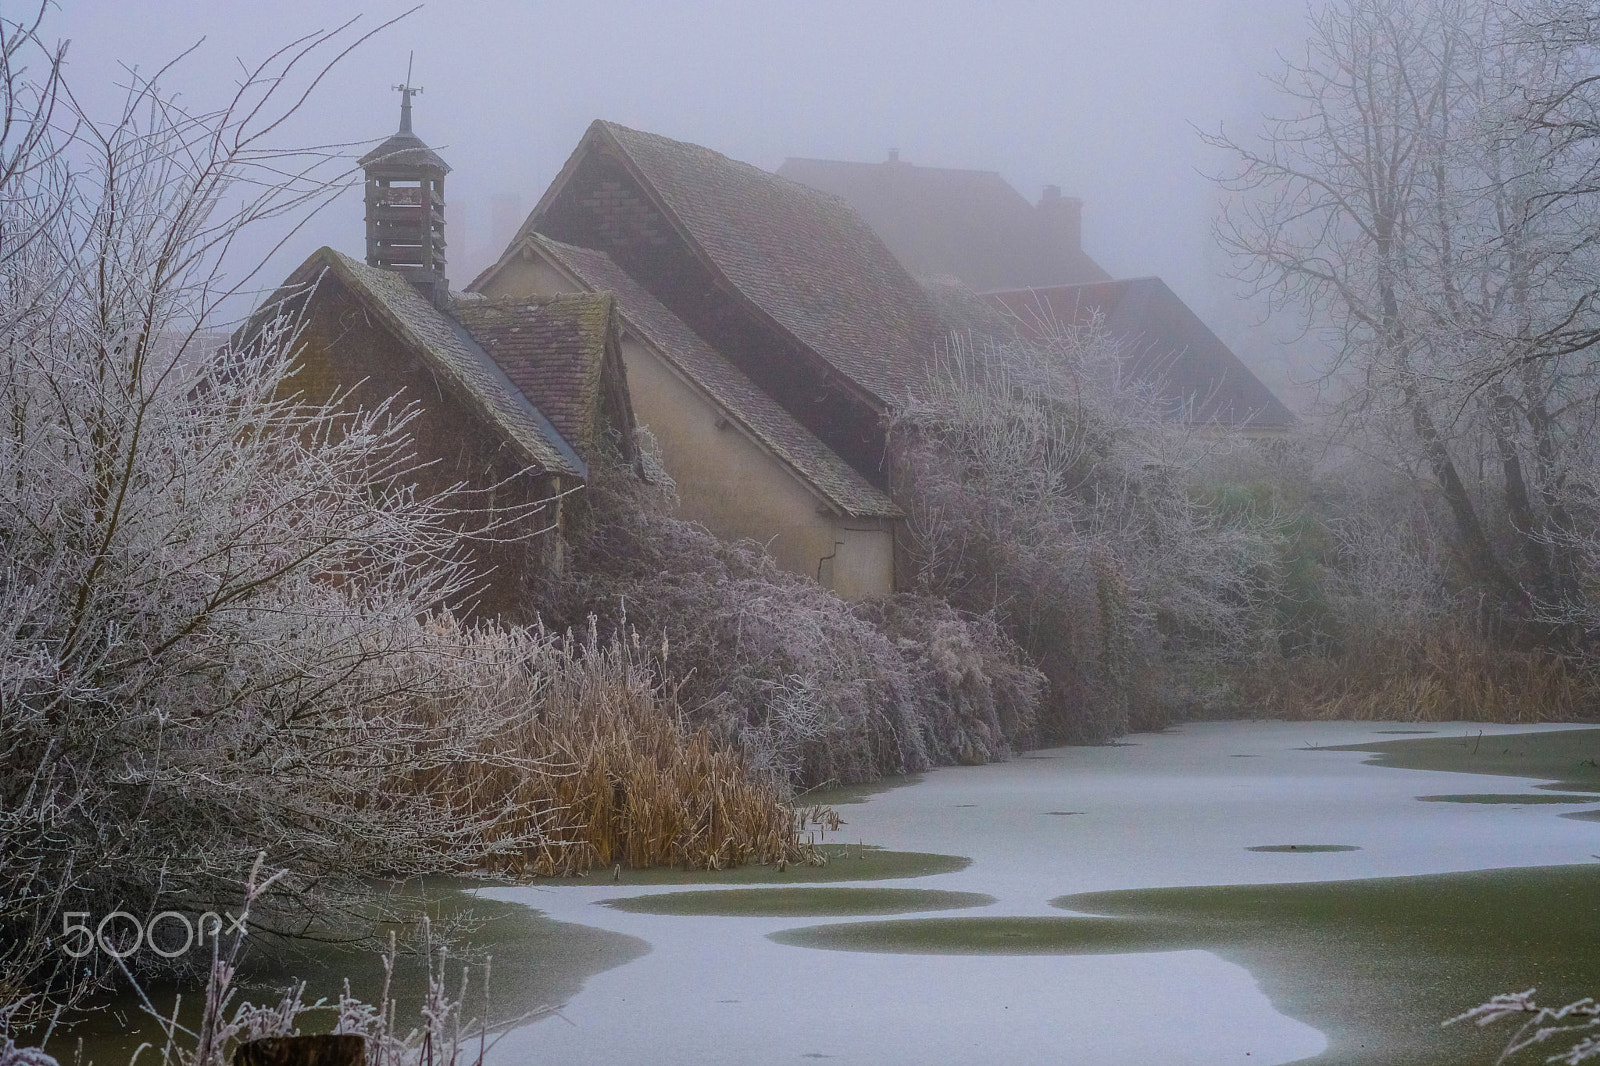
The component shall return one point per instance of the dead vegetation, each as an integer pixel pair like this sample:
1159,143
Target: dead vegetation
600,767
1448,673
1375,621
810,689
227,1023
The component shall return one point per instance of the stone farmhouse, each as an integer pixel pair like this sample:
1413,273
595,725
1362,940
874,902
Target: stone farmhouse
761,328
514,399
768,332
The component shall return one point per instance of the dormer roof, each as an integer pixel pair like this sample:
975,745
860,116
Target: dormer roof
554,349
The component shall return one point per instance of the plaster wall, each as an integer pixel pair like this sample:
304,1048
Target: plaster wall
738,490
526,276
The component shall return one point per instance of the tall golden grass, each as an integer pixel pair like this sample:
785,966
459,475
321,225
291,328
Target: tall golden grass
1444,673
592,764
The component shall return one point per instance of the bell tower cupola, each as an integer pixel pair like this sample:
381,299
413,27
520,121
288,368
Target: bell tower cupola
405,205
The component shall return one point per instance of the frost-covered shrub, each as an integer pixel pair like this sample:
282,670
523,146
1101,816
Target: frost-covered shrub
223,623
811,688
979,698
213,596
1046,491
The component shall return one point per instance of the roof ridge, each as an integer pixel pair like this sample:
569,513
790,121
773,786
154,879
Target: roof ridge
802,259
751,168
900,163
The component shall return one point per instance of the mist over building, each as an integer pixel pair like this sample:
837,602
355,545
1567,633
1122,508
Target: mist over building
1028,263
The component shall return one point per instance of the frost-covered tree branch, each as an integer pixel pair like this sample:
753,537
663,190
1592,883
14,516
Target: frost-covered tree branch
1575,1025
1046,488
221,608
1420,206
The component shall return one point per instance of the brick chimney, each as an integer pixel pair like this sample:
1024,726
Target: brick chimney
1061,219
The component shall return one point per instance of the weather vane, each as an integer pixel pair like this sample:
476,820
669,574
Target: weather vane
407,91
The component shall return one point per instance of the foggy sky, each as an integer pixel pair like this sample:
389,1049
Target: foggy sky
1095,96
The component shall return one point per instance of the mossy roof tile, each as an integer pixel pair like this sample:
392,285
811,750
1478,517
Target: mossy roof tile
553,349
804,257
447,347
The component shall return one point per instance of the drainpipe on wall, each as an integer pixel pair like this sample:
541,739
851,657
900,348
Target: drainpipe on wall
836,546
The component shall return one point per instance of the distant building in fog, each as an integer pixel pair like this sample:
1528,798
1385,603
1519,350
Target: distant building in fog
1194,375
1027,262
967,224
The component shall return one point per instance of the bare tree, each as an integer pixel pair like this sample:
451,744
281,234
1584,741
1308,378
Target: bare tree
1046,489
219,606
1407,205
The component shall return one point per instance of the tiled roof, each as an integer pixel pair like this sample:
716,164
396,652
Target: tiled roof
968,224
964,313
404,149
446,347
553,349
804,257
738,397
1163,341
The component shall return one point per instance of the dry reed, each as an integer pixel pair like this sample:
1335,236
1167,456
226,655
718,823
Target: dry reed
598,767
1445,673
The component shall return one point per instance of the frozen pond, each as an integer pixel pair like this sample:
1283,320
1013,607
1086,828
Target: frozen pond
1011,970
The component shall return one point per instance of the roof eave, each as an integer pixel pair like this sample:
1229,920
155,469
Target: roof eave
537,245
